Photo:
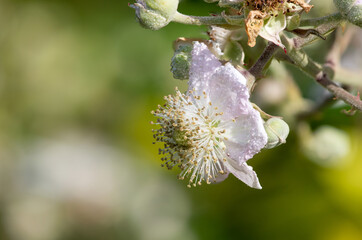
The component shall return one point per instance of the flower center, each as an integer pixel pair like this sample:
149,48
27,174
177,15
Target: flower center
180,138
192,132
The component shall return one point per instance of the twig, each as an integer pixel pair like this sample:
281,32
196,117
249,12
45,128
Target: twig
339,92
204,20
257,68
321,20
315,70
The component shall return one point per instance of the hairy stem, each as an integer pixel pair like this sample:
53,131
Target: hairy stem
257,69
334,17
264,58
203,20
339,92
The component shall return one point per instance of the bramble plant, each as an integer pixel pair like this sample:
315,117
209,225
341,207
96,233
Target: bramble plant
213,129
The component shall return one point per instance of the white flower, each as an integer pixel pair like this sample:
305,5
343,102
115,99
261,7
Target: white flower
212,130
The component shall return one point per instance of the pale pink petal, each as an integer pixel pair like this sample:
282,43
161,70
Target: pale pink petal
203,66
221,177
244,172
228,92
245,137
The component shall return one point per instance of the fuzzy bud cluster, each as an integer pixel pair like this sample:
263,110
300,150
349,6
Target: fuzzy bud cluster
181,61
155,14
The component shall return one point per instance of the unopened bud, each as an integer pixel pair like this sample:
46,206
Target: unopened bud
351,9
155,14
277,131
180,62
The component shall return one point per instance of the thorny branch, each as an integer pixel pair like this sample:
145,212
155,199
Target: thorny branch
341,42
321,20
315,70
339,92
256,70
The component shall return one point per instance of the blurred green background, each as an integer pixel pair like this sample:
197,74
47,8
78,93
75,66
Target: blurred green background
78,80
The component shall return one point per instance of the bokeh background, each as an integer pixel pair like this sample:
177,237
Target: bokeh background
78,80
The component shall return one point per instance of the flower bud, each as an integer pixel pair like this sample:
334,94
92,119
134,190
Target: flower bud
351,9
155,14
277,131
181,60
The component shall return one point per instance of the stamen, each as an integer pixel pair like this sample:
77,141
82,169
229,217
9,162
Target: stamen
192,136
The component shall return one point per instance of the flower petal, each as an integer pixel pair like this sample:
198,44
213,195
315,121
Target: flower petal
274,26
221,177
245,137
203,66
243,172
228,91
